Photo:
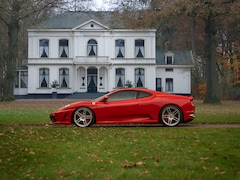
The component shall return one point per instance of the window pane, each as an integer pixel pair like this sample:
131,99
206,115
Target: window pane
169,84
120,77
17,79
63,48
24,79
92,41
139,48
139,77
92,47
43,77
169,60
64,77
158,84
63,42
43,48
143,94
119,48
139,42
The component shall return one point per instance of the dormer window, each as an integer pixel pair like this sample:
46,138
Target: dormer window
169,58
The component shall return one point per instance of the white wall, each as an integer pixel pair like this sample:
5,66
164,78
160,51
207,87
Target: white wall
181,79
105,60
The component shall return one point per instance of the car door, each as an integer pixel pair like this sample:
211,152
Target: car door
120,107
148,107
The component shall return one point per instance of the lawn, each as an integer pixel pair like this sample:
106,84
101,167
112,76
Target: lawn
37,112
32,149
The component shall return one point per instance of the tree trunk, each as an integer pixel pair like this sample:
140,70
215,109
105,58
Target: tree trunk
211,95
8,92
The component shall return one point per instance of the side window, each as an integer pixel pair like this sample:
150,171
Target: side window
143,94
122,95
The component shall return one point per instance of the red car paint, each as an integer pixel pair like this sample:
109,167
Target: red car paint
128,106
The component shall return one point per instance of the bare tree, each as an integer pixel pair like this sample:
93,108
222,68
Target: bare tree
12,14
211,12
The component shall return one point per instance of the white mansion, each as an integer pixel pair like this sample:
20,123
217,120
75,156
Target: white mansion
87,52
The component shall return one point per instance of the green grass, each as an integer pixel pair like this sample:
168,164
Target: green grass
30,149
17,113
119,153
226,112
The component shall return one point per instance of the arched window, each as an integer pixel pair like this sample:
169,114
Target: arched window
64,77
44,48
139,77
120,77
120,48
92,47
43,77
139,48
63,48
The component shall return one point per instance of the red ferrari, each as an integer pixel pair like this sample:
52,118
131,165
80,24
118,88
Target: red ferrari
128,106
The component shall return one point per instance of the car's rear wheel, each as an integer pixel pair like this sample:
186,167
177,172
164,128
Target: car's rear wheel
83,117
171,115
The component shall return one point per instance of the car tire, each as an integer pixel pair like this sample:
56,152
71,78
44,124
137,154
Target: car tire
83,117
171,115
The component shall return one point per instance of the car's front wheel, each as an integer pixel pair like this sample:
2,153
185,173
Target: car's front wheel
171,115
83,117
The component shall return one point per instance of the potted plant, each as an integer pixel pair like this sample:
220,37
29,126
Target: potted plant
54,86
128,84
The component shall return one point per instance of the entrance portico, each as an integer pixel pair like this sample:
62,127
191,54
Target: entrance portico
91,79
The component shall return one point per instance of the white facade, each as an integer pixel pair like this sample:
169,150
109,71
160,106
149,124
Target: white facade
93,58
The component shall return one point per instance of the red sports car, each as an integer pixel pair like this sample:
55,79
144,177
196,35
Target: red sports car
128,106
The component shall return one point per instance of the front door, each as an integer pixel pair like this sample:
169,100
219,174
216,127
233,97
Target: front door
92,79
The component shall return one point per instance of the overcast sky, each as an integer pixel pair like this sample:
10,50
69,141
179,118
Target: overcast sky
103,5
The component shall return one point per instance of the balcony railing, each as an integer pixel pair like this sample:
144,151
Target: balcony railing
91,60
50,61
133,61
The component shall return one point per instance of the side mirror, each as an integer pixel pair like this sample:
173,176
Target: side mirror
105,98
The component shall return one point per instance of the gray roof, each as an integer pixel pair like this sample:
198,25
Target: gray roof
180,57
72,19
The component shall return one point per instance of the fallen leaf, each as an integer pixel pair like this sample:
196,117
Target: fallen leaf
60,171
203,158
140,163
32,152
